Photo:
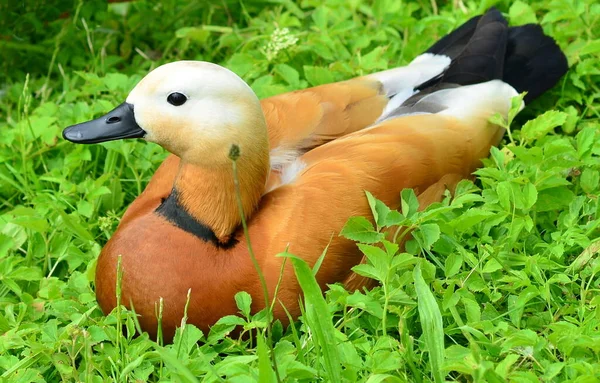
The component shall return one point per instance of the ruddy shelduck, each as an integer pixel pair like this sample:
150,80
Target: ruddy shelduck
307,158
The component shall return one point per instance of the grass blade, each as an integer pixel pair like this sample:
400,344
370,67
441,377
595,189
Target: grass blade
175,366
431,323
265,371
318,318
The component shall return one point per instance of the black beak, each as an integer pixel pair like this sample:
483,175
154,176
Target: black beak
117,124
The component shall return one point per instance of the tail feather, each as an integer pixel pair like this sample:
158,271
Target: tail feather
522,57
483,51
477,51
454,42
534,62
482,58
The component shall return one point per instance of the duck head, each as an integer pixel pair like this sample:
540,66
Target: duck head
194,109
197,111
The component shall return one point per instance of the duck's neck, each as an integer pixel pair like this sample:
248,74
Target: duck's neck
208,193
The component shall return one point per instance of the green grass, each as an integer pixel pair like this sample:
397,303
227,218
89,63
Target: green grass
500,283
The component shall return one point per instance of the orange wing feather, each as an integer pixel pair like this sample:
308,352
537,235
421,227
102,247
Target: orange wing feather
308,118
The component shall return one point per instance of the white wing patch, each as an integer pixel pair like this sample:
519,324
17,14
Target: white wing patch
280,157
286,163
291,171
400,83
421,69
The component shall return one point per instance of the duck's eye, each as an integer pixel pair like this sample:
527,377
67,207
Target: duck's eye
176,98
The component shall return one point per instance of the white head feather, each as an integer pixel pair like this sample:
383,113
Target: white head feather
221,110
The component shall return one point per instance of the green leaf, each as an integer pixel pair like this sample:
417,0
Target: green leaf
243,300
589,180
521,13
516,104
116,81
361,230
584,258
322,50
472,309
453,264
75,228
529,195
384,378
133,365
321,258
491,266
552,370
379,210
27,274
97,192
554,198
12,285
471,218
264,86
265,371
499,157
366,303
373,205
505,194
241,64
591,48
6,243
61,361
394,218
320,17
374,60
367,271
466,199
317,75
231,320
289,74
516,305
585,141
85,208
197,34
498,119
30,219
181,371
520,339
573,116
410,203
504,367
542,125
111,201
427,234
379,259
431,323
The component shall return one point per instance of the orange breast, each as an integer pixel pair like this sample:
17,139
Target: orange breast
159,260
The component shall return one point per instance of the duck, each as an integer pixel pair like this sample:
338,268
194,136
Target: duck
306,159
